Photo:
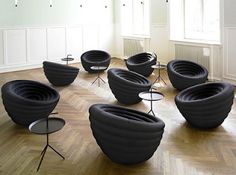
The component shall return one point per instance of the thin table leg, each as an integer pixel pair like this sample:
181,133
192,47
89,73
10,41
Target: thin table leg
94,80
42,157
102,80
99,79
157,79
151,111
163,80
44,149
56,151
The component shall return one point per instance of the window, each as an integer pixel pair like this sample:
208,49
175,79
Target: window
199,19
135,17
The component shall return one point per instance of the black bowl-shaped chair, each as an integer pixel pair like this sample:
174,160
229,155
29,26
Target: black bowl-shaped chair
206,105
142,63
126,136
27,101
95,58
126,85
59,74
184,74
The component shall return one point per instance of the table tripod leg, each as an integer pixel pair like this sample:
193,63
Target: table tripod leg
163,80
151,111
156,80
44,151
153,114
102,80
56,151
94,80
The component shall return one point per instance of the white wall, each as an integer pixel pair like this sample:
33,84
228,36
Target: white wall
34,32
229,41
159,30
159,33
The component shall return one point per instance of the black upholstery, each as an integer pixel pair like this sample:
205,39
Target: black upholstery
59,74
183,74
126,136
206,105
126,85
142,63
95,58
27,101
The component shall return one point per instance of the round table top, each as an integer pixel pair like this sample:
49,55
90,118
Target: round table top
67,59
159,66
98,67
40,126
151,95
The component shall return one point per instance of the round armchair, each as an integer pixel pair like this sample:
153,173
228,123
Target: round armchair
126,85
126,136
27,101
184,74
58,74
142,63
206,105
95,58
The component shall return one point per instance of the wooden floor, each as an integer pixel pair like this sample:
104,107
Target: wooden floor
183,151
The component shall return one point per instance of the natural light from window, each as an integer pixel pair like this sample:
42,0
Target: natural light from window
200,20
135,17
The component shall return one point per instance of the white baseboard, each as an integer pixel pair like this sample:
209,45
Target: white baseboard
20,67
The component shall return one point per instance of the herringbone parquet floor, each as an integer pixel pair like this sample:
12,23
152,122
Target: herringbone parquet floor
183,151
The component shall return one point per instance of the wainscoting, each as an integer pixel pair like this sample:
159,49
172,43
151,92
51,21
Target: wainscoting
229,63
27,47
208,55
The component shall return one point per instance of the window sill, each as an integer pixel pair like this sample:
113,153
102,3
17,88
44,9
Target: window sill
195,42
136,36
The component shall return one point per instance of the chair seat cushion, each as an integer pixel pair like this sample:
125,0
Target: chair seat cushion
126,85
184,74
206,105
27,101
59,74
126,136
142,63
95,58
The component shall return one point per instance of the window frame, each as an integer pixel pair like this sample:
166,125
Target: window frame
180,35
145,23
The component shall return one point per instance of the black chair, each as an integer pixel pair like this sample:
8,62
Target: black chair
142,63
27,101
59,74
183,74
206,105
126,136
95,58
126,85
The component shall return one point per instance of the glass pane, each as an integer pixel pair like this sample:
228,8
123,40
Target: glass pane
211,19
126,17
193,18
138,17
202,19
176,19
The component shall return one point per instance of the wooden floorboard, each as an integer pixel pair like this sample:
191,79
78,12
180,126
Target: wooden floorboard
183,151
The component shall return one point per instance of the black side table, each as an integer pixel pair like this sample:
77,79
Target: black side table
67,59
159,66
151,96
98,69
47,126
